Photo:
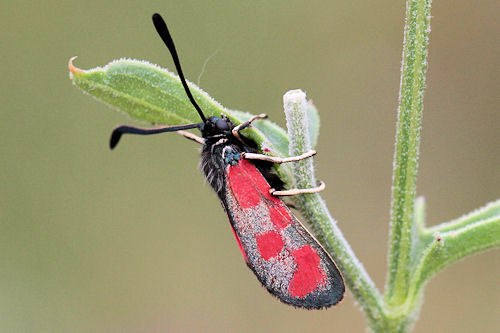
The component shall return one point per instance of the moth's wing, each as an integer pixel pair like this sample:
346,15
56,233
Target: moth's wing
284,256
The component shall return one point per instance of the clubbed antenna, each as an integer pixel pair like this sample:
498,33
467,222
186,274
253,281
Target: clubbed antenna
161,28
124,129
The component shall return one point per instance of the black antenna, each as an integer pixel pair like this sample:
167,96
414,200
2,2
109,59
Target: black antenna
161,28
120,130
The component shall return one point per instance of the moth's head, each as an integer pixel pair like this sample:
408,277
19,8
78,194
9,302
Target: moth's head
216,126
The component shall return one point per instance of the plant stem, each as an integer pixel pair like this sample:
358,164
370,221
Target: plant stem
316,213
411,93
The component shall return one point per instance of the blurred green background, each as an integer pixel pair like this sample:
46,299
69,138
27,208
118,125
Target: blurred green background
133,241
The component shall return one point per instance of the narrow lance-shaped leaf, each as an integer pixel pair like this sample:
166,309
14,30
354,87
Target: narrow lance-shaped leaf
490,210
152,94
313,122
451,246
425,236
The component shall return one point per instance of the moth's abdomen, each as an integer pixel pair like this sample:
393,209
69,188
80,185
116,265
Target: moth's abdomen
286,259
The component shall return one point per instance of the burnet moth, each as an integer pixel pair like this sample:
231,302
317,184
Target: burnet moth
284,256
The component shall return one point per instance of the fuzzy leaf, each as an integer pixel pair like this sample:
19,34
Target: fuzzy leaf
313,121
490,210
453,245
152,94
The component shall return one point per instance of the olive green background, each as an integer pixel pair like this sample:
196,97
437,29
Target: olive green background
133,241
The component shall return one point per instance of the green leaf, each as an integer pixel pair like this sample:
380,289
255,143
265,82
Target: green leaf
152,94
155,95
144,91
427,236
453,245
490,210
313,121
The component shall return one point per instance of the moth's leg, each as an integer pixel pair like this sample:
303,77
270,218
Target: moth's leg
296,191
192,137
236,130
247,123
278,160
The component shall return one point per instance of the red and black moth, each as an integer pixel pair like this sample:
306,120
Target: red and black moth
284,256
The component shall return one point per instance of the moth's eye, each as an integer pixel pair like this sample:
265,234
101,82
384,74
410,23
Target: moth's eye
221,124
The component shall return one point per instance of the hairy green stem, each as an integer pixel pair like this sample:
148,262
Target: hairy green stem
413,70
321,222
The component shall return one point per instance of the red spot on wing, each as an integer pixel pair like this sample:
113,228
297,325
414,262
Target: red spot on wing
243,186
239,244
269,244
250,187
253,173
279,216
308,275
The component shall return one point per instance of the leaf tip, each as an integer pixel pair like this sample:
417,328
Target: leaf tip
72,68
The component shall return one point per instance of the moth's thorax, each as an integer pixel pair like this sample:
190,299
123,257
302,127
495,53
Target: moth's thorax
216,155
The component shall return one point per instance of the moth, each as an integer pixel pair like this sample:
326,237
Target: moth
284,256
